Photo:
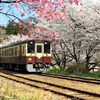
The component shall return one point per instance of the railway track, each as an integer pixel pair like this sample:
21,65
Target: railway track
74,94
73,78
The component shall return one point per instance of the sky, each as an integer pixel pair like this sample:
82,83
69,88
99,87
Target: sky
4,19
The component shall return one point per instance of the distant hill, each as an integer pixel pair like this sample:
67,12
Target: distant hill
2,32
35,20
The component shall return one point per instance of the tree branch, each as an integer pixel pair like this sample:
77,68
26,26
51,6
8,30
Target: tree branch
8,1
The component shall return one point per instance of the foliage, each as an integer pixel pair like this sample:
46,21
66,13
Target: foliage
80,39
44,8
89,74
3,27
11,29
72,57
55,70
6,93
79,67
2,31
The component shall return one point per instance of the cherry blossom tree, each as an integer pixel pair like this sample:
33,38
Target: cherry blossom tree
80,39
49,9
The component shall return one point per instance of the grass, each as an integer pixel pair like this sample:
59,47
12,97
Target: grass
62,72
22,93
91,75
8,94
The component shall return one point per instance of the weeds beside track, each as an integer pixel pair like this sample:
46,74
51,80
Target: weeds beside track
57,89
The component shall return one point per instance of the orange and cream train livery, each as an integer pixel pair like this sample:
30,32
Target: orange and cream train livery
31,55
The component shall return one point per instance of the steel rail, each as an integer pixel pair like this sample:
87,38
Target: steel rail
58,86
73,78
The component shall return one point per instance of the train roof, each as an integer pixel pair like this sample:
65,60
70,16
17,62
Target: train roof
24,41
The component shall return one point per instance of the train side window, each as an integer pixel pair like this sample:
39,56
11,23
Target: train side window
23,49
15,51
9,52
12,51
2,53
5,52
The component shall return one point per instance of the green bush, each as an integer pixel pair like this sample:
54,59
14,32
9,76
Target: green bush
79,67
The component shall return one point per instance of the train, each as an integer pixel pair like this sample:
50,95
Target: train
31,55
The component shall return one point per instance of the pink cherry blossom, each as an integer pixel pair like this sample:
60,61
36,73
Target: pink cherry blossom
35,15
81,4
31,22
23,9
81,9
64,18
17,0
11,5
20,26
20,36
20,23
50,9
22,14
14,24
30,36
17,6
1,8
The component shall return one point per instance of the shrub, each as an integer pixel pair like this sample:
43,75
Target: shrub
79,67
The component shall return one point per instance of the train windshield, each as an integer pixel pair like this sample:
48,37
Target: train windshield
31,47
39,49
46,47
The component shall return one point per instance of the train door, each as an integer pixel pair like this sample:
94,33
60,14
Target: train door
39,52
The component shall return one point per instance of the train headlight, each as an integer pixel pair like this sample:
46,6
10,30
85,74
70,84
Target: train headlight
46,43
31,42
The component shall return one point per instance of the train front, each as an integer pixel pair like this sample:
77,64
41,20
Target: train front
38,58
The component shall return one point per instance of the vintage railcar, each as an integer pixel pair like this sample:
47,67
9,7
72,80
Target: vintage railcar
31,55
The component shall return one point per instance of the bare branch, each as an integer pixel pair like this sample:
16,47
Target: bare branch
8,1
